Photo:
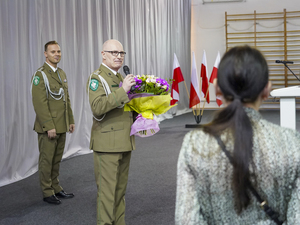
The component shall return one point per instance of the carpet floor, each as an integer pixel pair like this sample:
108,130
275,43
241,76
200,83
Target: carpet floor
151,190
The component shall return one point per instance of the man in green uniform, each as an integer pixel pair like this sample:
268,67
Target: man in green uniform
110,135
54,117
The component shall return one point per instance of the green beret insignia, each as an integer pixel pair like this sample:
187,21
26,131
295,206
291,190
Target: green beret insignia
94,84
36,80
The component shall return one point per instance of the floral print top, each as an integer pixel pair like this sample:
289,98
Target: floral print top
204,174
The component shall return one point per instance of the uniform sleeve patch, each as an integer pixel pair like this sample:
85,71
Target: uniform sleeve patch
94,84
36,80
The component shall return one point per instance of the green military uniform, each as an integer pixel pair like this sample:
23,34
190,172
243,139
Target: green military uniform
111,143
51,113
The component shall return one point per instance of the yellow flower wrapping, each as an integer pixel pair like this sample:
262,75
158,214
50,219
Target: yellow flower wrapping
157,104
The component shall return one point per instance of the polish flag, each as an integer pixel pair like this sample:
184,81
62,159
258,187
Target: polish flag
177,78
219,100
194,92
214,72
214,75
204,78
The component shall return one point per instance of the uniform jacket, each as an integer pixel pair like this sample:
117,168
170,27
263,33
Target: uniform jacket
51,113
204,177
112,133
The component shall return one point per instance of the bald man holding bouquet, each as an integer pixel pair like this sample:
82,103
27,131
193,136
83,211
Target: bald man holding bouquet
110,133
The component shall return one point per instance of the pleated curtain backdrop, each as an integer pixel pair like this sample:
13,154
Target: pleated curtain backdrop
151,31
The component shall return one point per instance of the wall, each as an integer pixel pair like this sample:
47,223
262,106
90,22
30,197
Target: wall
208,30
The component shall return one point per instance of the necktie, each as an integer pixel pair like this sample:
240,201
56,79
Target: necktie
57,73
119,77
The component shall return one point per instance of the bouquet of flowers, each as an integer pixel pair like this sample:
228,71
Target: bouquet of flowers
150,96
151,84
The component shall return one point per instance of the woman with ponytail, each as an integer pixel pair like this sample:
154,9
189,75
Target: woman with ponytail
214,189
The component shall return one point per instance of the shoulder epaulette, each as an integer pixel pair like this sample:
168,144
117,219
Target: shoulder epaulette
41,68
61,92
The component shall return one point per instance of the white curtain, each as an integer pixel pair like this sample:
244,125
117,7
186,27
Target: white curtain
151,31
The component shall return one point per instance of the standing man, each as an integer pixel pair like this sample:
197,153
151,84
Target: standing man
54,117
110,135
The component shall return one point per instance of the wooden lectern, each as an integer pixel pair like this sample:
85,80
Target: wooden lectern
287,105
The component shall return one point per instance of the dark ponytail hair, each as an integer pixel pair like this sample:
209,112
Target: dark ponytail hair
242,75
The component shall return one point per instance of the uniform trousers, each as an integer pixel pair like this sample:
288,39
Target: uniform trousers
111,173
51,152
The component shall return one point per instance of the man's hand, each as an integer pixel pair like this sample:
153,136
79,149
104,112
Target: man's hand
72,128
51,133
128,82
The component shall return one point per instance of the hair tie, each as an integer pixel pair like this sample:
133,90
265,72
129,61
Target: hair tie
234,97
237,97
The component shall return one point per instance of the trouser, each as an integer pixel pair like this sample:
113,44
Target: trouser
51,152
111,172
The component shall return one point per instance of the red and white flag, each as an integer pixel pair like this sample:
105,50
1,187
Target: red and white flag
204,77
214,75
177,78
194,92
219,100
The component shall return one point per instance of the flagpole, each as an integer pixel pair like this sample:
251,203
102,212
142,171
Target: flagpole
205,98
200,90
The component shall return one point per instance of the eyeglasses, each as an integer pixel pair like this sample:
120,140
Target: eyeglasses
116,53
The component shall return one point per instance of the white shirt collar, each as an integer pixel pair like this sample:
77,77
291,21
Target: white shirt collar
115,72
54,69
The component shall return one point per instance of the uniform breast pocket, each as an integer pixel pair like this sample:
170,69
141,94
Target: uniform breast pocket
54,88
111,134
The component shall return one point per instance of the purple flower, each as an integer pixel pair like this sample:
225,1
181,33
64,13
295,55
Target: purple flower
163,83
137,80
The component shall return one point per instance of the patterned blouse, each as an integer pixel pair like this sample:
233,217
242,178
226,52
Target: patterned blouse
204,174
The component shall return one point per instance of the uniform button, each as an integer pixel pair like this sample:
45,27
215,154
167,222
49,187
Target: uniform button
112,128
122,102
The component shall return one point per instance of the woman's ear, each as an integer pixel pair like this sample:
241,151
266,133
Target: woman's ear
266,91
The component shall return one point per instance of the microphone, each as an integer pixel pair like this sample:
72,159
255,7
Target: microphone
127,71
284,62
